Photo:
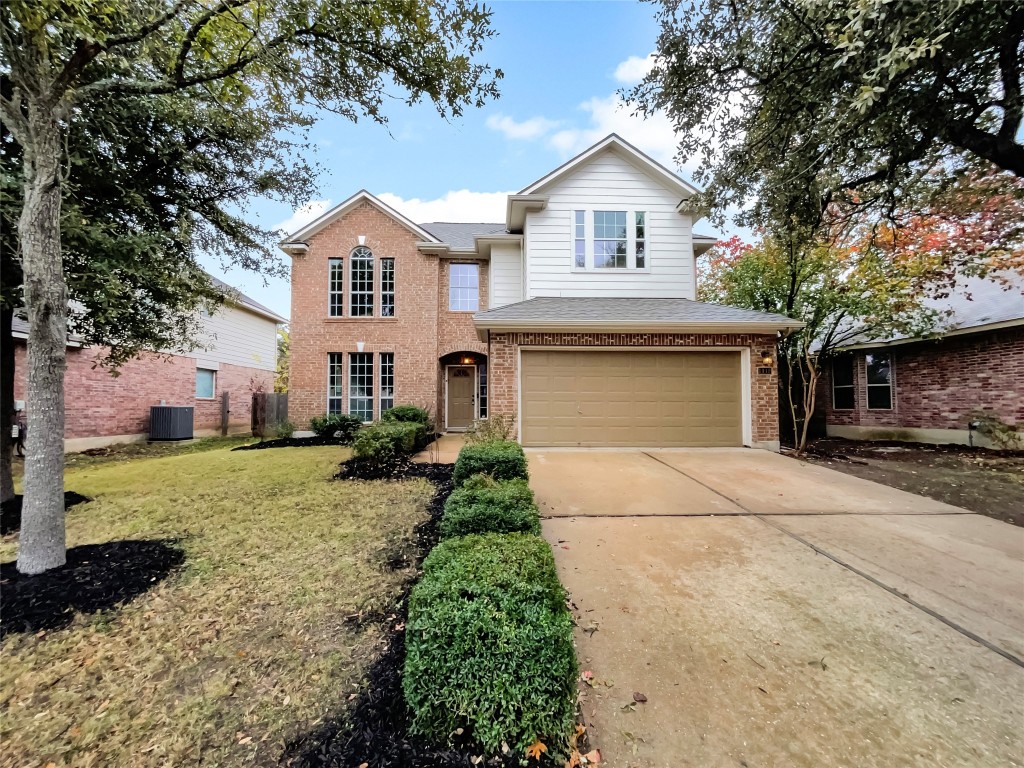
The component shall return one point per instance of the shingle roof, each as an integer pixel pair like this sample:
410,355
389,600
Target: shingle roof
626,311
458,235
245,301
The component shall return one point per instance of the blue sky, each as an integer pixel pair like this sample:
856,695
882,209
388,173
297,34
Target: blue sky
563,63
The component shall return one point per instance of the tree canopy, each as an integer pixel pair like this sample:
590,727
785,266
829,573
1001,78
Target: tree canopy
792,106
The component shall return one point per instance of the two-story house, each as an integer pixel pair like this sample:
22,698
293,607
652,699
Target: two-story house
576,316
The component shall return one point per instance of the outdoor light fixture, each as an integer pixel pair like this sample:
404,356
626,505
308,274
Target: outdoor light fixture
766,358
467,361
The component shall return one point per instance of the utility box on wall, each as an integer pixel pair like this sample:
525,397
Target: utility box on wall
171,422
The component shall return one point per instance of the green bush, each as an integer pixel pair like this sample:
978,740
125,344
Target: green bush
485,505
340,425
379,446
407,413
489,645
285,429
502,460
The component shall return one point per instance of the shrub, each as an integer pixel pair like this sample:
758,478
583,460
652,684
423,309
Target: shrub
484,505
341,425
285,429
381,445
489,644
502,460
407,413
496,427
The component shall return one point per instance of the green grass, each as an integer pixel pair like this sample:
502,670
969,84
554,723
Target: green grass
244,648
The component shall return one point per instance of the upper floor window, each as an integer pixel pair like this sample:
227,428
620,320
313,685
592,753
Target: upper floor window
843,389
464,288
609,240
361,286
387,287
879,381
335,287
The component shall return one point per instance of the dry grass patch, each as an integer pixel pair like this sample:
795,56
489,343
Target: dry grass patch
243,648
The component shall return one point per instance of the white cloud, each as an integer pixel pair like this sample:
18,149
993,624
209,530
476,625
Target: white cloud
634,69
533,128
302,216
456,205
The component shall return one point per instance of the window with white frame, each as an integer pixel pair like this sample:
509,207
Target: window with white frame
879,368
387,287
640,238
335,287
844,390
387,381
206,383
360,385
481,373
606,240
361,283
579,227
334,382
610,240
464,288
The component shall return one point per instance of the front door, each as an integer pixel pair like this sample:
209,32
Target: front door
461,396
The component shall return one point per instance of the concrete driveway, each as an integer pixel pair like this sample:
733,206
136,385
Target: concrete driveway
775,613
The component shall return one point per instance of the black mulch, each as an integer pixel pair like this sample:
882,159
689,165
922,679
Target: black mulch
95,578
374,730
10,510
291,442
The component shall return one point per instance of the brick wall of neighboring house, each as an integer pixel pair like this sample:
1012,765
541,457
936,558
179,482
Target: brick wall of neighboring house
412,334
937,384
764,399
101,405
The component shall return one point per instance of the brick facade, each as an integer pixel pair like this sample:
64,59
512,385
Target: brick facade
938,384
420,333
764,397
100,405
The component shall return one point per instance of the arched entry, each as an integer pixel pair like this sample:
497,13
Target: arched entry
463,390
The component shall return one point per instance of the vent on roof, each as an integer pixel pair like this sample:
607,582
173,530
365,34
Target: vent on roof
170,422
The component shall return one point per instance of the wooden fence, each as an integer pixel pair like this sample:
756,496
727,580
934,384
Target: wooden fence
269,411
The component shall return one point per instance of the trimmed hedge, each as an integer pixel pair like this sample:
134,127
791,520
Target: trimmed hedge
502,460
406,413
489,645
485,505
381,445
343,425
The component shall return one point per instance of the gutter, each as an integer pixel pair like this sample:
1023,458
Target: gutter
651,326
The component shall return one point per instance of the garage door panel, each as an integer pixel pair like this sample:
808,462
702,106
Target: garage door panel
656,399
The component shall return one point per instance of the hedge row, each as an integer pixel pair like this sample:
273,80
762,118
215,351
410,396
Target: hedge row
489,643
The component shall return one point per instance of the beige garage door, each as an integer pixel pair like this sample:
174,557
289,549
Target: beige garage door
654,399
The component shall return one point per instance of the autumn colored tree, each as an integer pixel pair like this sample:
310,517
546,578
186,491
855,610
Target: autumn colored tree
713,266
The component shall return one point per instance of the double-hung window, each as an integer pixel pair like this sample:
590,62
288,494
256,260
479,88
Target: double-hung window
335,377
387,381
464,288
879,369
335,287
844,391
387,287
360,385
610,240
361,283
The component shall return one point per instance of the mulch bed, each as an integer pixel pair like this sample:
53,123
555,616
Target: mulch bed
290,442
95,578
10,510
374,730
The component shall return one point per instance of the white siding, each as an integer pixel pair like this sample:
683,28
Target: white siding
506,274
609,183
238,337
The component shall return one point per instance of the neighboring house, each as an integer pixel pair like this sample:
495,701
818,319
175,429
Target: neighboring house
240,353
575,316
930,390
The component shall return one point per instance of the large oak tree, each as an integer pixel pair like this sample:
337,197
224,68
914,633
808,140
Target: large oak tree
60,60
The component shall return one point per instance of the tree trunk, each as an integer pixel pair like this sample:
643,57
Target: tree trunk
42,543
6,402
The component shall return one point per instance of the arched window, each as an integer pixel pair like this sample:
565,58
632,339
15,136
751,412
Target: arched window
361,283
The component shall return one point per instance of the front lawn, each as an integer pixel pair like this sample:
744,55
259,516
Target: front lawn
260,633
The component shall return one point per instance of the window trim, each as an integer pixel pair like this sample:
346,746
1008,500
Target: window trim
851,386
631,240
451,287
336,360
380,380
890,385
371,291
372,398
213,384
339,292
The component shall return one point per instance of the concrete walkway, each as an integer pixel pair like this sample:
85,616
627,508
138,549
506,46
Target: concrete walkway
779,614
444,450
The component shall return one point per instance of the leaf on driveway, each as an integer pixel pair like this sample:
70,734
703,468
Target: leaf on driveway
593,756
639,697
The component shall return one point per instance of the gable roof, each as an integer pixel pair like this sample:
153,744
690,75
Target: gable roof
461,236
614,142
239,298
640,314
360,197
